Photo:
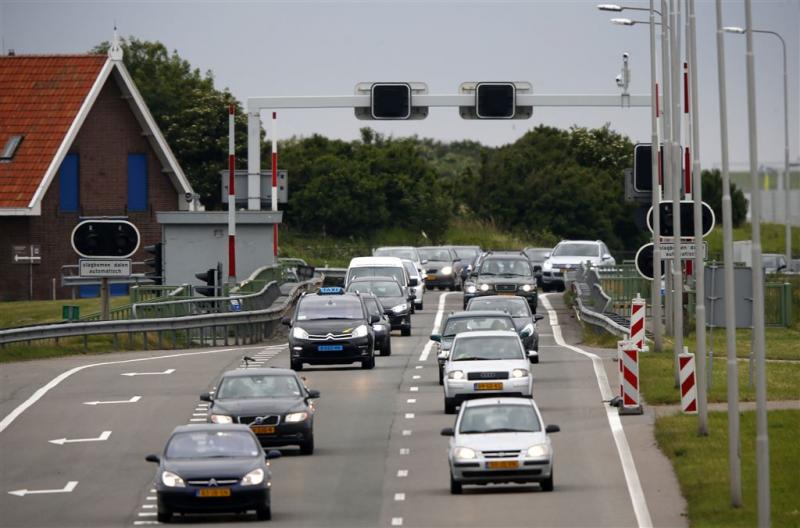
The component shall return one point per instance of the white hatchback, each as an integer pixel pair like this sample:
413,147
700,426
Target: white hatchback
486,364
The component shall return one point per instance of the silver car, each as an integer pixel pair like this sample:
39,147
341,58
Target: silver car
500,440
569,255
485,364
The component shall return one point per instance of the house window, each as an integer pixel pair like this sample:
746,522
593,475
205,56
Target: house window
10,148
137,182
68,185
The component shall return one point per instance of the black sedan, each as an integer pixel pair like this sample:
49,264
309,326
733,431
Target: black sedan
520,311
274,403
396,302
211,468
383,328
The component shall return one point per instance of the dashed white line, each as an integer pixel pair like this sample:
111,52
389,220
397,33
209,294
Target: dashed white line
148,505
405,451
437,322
150,497
416,377
414,389
411,400
144,523
197,419
406,432
397,521
199,414
402,473
419,367
146,514
409,416
399,496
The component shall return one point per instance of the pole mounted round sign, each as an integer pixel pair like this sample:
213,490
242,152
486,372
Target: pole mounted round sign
105,238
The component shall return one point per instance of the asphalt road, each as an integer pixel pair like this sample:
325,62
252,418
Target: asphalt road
379,459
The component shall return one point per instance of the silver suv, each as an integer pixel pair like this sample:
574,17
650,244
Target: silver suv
570,254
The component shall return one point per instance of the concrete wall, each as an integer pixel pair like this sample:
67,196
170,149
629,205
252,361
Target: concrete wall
195,241
773,207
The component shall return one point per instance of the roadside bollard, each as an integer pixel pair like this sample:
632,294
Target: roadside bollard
629,378
687,382
637,328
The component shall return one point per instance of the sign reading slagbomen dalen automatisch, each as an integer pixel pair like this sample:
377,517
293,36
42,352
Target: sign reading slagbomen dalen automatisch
105,267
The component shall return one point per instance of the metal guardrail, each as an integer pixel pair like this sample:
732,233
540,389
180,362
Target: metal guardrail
211,328
592,304
203,305
144,293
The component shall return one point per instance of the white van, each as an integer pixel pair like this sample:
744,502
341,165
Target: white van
380,267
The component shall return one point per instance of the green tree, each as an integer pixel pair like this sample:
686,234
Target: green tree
712,195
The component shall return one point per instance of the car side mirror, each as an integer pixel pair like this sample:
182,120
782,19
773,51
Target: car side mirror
413,282
547,255
272,453
374,318
606,257
206,397
285,320
448,431
313,393
526,332
533,356
436,337
424,261
552,429
538,317
153,458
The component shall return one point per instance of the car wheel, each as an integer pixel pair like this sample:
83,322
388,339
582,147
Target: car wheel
449,406
368,363
297,365
455,486
413,308
387,348
545,288
561,287
428,287
419,306
307,447
405,331
547,485
264,513
441,375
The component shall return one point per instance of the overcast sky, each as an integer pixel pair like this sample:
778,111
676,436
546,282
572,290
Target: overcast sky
319,47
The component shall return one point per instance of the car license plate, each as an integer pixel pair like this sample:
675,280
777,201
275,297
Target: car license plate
430,277
502,464
263,429
214,492
506,293
330,348
488,386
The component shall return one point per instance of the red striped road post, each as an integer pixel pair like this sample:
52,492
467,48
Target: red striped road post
275,180
687,383
629,374
637,328
231,197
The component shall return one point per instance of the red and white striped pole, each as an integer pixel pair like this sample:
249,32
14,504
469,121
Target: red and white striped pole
629,386
659,151
687,382
231,197
687,158
275,180
637,328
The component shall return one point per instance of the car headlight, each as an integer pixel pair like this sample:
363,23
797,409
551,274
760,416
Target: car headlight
296,417
464,453
471,288
484,287
547,265
299,333
520,373
221,419
527,287
455,375
171,480
253,478
539,450
378,327
400,308
360,331
447,270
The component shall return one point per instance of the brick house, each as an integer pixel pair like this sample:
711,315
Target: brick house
76,140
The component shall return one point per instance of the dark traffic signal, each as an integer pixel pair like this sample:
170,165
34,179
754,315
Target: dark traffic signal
644,262
156,263
495,100
687,219
105,239
390,100
213,279
643,168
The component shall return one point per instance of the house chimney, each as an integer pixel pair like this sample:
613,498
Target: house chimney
11,52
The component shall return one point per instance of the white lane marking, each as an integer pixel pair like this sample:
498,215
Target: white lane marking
132,400
36,396
149,506
198,414
406,432
153,490
66,489
202,405
414,389
197,419
416,377
397,521
146,514
399,496
150,497
405,451
166,372
411,400
419,367
635,491
144,523
409,416
402,473
437,322
102,438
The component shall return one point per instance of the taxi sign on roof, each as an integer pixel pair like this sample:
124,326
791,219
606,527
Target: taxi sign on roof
331,290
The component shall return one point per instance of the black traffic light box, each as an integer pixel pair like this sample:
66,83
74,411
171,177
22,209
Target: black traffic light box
687,219
644,262
495,100
156,263
213,279
390,100
643,167
103,238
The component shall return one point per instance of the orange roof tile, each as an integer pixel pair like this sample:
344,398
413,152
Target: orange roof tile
39,98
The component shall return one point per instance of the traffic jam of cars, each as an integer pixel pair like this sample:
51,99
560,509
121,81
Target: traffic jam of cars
485,355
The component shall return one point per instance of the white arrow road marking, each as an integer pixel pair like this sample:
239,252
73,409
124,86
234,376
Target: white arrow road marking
61,441
66,489
168,371
132,400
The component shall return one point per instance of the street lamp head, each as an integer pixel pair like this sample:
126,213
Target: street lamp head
734,29
622,21
609,7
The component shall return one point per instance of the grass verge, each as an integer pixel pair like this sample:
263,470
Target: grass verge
781,343
701,465
26,313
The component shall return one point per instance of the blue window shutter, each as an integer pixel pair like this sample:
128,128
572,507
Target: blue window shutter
137,182
68,185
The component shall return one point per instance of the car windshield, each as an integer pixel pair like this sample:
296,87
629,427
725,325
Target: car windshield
379,288
577,250
435,254
537,254
372,307
212,444
259,387
378,271
508,267
406,253
329,307
410,268
487,348
515,307
466,253
470,324
499,418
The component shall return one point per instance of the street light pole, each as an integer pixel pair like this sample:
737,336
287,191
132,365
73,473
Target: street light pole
677,271
734,449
